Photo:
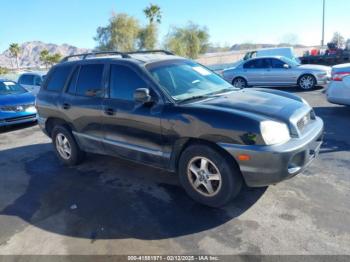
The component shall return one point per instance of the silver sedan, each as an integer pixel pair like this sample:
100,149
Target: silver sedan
277,71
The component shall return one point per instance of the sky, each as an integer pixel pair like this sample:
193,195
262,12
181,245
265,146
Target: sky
228,21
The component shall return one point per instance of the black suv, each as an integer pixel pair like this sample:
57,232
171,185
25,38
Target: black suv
172,113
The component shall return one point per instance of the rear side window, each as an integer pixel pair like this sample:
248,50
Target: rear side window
26,80
90,80
58,78
123,82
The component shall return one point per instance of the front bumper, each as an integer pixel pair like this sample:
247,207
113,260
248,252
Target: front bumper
20,119
272,164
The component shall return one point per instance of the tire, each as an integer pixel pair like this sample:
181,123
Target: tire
226,178
307,82
239,82
68,144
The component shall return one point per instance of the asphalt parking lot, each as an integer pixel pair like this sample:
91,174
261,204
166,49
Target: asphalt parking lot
111,206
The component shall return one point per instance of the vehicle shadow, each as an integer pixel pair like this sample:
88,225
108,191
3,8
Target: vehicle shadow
296,89
7,129
109,198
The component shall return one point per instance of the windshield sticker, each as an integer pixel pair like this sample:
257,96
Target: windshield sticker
202,71
9,83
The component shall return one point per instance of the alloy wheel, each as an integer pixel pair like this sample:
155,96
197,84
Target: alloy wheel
307,82
239,83
204,176
63,146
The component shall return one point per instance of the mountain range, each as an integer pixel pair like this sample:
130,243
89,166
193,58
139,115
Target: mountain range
30,54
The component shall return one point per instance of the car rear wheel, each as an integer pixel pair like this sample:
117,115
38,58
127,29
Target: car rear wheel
239,82
66,147
307,82
208,176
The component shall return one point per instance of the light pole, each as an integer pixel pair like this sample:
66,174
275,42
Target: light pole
323,21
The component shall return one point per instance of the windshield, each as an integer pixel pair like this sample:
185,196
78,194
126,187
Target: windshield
290,61
9,87
185,79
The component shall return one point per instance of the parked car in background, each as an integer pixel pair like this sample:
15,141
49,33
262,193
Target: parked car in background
16,104
278,51
169,112
338,91
32,81
277,71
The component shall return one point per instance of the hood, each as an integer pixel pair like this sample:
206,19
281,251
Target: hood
267,104
17,99
316,67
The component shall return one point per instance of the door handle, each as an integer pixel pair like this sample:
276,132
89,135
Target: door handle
109,111
66,106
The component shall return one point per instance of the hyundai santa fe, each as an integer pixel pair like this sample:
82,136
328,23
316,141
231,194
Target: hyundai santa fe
169,112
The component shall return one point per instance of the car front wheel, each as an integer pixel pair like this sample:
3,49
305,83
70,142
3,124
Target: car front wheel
66,147
208,176
307,82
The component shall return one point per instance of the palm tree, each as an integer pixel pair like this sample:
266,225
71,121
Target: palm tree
15,51
153,13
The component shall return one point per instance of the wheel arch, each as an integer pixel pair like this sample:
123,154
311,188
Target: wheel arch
307,74
184,143
51,122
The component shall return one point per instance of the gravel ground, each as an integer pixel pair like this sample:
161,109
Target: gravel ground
111,206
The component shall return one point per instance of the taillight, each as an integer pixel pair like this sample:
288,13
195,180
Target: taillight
340,76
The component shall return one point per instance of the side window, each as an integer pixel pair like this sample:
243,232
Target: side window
263,63
250,65
90,80
123,82
73,82
58,78
275,63
26,80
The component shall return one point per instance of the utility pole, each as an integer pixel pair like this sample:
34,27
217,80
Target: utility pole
323,22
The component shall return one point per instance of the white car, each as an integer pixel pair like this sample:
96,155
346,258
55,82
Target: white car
338,91
32,81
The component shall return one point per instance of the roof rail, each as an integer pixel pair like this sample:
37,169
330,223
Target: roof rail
86,55
150,52
123,55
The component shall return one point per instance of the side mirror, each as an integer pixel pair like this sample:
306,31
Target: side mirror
286,66
141,95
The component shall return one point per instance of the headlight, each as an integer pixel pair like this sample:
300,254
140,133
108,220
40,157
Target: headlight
274,132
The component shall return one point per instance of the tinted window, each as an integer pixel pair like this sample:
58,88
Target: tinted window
73,82
26,80
275,63
58,78
123,82
257,64
90,80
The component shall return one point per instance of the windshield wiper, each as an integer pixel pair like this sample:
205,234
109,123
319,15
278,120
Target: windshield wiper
224,91
194,98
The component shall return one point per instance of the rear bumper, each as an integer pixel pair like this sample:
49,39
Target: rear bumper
18,120
272,164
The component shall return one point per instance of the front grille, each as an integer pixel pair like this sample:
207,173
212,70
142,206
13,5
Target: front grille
304,121
20,118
